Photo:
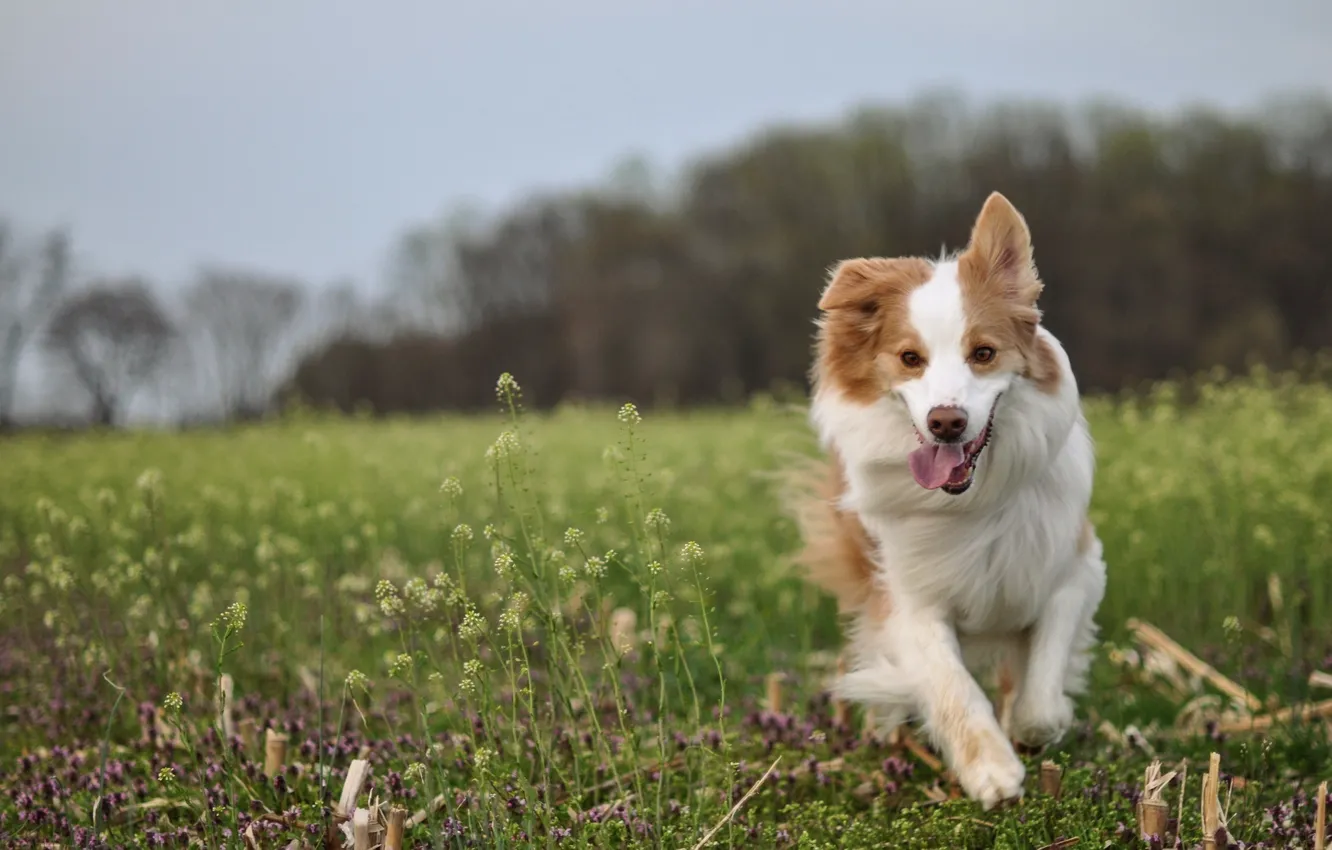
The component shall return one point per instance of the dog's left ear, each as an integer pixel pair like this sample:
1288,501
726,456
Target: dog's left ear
1000,251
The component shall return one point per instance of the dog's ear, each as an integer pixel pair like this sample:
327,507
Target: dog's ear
1000,251
850,284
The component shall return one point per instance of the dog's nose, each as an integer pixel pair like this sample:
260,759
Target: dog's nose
947,423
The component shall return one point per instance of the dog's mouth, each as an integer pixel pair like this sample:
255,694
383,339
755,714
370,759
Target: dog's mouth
949,467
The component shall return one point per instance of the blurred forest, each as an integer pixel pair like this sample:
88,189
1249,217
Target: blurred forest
1168,243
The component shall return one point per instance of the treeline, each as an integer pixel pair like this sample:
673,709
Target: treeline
215,348
1167,243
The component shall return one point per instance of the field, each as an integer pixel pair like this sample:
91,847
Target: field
559,629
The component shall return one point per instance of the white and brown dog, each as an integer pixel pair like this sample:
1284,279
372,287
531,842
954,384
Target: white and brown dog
952,526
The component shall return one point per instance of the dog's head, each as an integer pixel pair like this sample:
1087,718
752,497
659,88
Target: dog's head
947,338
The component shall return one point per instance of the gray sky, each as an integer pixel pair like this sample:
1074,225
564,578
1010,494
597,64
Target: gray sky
302,135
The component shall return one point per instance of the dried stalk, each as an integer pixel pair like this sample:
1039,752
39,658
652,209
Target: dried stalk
1211,802
774,682
1051,778
1264,722
1160,641
275,752
1320,819
393,838
226,724
702,842
361,829
1153,811
357,773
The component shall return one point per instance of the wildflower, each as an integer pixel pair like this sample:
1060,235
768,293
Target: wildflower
401,666
233,619
654,568
482,758
473,625
167,776
422,595
657,520
357,679
489,531
389,602
462,534
506,444
512,618
629,414
452,488
603,516
596,566
415,772
472,671
504,564
506,387
1231,627
572,537
150,482
172,704
693,553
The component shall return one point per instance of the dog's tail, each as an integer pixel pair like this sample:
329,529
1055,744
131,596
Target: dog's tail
836,553
882,685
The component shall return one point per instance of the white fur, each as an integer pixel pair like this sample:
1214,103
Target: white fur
935,310
994,571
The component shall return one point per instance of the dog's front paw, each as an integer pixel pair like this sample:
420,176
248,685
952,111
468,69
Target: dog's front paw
994,776
1041,722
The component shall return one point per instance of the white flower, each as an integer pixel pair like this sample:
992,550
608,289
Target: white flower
629,414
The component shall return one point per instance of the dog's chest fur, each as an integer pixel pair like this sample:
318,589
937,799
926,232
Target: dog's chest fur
990,559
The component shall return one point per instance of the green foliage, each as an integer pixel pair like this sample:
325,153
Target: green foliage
561,624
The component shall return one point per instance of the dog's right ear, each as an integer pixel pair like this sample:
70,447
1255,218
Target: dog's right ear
850,284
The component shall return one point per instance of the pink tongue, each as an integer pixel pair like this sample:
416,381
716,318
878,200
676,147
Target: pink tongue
932,465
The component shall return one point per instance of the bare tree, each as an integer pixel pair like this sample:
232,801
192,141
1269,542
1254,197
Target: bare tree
29,289
244,323
113,336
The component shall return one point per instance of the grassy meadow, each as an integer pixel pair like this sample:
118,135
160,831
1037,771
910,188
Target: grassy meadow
559,629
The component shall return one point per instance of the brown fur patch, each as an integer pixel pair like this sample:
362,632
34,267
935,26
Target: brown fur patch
864,328
999,291
1086,536
837,553
953,728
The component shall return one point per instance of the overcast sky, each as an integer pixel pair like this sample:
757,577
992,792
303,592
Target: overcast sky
302,135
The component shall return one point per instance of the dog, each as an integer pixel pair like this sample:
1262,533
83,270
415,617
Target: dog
950,521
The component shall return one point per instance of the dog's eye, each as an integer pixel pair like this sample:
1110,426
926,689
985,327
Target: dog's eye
984,354
869,308
911,359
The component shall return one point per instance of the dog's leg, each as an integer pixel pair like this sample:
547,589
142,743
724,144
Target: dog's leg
957,713
1010,671
1060,654
1001,660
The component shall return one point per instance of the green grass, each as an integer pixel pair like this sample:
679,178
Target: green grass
438,597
